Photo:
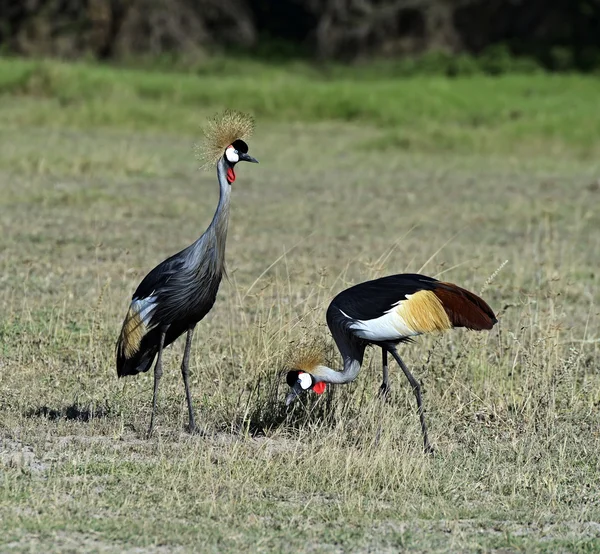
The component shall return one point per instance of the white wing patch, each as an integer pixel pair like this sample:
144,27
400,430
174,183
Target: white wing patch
390,326
144,307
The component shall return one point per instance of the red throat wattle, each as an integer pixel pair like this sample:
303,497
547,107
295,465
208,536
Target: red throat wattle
230,175
319,388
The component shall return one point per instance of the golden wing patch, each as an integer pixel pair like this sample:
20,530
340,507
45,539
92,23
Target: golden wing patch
132,333
424,312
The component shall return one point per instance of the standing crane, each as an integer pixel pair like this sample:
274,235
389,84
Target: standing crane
181,290
385,312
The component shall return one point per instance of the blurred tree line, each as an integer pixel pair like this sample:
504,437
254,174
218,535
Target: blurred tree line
559,34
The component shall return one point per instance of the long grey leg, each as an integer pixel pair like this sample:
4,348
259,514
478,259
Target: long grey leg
186,377
417,391
385,385
157,375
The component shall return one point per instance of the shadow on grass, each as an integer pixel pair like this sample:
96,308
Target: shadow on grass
74,412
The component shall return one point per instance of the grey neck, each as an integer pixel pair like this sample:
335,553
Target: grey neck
220,220
209,249
346,375
352,351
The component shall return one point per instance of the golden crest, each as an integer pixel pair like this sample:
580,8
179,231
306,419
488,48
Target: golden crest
307,355
220,131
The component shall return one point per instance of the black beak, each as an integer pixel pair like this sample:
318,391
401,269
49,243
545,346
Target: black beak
247,158
296,391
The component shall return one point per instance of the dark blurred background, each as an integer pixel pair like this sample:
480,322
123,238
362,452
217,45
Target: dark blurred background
561,35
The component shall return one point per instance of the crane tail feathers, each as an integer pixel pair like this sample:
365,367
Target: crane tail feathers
464,308
140,363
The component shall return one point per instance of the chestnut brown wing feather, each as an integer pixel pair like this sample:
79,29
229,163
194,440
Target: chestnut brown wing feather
464,308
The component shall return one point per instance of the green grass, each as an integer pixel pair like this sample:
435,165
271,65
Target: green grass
89,203
535,114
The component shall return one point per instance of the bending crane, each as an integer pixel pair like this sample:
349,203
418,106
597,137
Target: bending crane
384,313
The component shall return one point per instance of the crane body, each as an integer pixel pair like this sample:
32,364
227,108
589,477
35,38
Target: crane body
383,313
180,291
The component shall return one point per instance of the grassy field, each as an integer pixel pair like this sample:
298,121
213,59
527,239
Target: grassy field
541,115
356,179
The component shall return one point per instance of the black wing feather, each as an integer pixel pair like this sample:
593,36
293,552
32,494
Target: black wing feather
159,276
372,299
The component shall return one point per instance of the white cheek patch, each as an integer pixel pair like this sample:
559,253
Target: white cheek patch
231,155
305,381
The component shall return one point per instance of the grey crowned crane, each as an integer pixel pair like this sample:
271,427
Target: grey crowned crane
385,312
180,291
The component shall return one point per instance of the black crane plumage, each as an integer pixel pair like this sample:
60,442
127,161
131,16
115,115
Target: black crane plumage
383,313
181,290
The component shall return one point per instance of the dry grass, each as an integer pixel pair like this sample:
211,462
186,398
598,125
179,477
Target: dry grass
513,413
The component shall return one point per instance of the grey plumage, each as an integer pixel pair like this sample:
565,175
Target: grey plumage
180,291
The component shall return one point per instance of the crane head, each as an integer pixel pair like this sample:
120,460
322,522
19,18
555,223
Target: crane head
226,130
300,382
237,151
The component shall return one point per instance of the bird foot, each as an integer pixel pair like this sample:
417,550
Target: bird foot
384,391
196,432
429,449
150,430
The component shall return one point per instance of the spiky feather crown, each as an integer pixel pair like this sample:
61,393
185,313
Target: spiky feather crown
220,131
308,355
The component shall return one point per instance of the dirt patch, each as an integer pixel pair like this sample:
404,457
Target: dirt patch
15,454
78,542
